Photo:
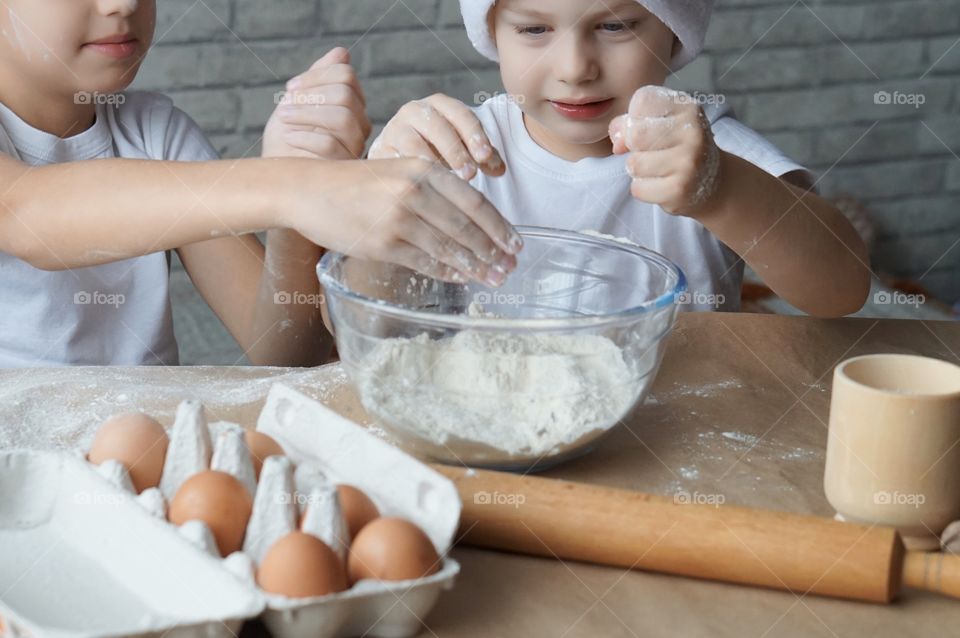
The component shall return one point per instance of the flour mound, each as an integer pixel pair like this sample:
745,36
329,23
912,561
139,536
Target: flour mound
520,394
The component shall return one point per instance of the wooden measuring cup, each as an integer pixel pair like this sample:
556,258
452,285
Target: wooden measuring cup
893,453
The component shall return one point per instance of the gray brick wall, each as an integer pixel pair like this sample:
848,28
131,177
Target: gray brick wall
803,72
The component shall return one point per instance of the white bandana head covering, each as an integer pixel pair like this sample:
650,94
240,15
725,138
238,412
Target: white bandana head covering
688,19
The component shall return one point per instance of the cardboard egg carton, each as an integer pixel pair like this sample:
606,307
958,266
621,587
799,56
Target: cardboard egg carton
80,558
322,450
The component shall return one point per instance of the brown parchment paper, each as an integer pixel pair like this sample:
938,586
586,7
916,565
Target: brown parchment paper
738,413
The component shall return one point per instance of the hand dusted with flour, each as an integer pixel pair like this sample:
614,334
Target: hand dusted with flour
673,159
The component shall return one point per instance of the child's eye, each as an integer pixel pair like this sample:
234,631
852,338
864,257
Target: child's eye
617,27
532,30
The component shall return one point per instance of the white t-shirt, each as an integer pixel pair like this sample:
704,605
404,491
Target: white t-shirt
541,189
112,314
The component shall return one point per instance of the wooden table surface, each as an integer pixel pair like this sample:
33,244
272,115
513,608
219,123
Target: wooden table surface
738,413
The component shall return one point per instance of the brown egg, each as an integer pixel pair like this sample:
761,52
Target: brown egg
219,500
261,446
300,565
138,442
391,549
358,509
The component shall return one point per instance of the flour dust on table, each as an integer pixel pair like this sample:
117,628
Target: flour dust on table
60,408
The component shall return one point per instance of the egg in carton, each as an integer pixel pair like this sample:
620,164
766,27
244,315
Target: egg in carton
290,501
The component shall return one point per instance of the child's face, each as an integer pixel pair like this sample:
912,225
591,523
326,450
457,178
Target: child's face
573,65
56,45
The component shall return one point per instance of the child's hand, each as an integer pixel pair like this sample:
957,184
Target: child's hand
673,159
322,114
439,128
409,212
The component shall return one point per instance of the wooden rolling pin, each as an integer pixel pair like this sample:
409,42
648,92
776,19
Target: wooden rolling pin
589,523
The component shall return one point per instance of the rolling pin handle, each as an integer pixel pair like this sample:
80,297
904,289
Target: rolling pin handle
932,571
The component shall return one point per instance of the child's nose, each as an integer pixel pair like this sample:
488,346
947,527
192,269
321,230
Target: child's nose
576,60
117,7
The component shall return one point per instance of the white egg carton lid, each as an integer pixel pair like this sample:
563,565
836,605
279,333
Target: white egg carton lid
80,557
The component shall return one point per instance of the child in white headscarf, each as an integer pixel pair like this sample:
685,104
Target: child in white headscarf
587,138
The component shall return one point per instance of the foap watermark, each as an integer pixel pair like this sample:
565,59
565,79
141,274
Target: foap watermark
298,99
683,497
482,96
499,498
284,298
898,498
700,99
97,298
95,97
300,499
896,98
87,498
697,298
497,298
897,298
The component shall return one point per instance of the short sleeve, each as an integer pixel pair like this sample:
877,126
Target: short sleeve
185,141
7,147
149,124
738,139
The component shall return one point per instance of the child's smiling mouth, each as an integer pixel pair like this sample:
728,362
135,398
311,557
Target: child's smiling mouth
582,109
116,46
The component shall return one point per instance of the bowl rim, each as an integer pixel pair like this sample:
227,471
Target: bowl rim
664,300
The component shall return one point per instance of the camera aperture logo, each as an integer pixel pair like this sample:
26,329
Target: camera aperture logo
296,298
499,498
97,298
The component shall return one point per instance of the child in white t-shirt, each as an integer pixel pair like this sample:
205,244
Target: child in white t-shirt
587,138
84,245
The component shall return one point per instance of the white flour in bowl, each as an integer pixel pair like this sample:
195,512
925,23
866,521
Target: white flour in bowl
521,394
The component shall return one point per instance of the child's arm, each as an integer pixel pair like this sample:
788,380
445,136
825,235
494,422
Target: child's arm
406,211
272,301
801,245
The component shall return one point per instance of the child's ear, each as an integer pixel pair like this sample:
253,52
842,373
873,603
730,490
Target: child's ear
492,23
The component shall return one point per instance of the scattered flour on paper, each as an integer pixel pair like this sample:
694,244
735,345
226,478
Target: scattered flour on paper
60,408
740,437
517,393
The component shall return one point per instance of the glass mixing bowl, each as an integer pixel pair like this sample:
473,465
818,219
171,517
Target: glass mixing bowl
515,378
